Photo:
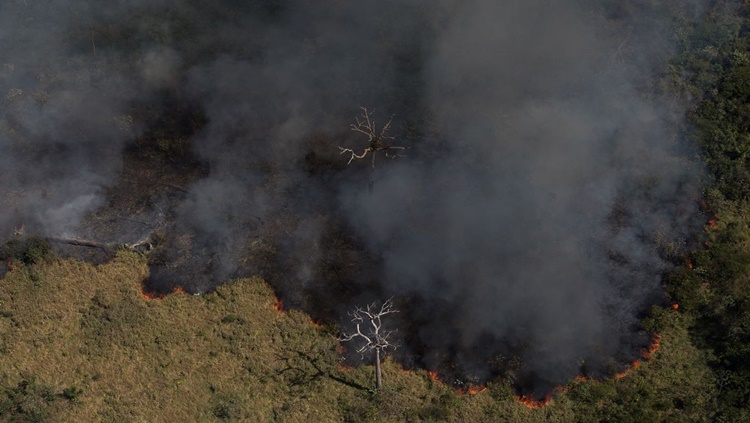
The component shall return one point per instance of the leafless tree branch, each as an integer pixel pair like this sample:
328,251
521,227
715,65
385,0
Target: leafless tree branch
354,155
367,126
373,336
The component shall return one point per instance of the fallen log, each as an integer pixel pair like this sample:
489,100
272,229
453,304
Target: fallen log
79,242
142,245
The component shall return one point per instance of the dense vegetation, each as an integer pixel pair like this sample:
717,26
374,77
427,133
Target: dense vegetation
713,286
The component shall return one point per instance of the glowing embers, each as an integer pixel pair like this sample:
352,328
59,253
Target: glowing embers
153,295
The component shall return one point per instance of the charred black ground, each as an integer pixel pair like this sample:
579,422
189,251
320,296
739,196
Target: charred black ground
545,190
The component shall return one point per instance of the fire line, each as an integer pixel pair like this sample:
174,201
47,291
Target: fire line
646,354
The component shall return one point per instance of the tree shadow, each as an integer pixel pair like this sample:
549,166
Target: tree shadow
303,368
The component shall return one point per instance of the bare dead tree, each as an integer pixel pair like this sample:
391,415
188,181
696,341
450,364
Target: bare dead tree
365,124
372,335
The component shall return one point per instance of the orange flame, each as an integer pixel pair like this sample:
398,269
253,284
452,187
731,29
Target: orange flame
470,389
278,305
675,306
153,295
647,354
435,378
475,389
527,400
148,296
655,344
634,365
712,222
532,403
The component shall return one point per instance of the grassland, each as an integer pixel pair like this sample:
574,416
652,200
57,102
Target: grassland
80,343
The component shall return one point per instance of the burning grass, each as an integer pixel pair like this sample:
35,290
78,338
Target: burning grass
646,354
193,358
475,389
141,356
278,305
153,295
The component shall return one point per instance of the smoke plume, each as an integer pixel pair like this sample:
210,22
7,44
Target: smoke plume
524,232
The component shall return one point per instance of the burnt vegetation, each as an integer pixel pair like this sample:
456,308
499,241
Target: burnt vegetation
549,222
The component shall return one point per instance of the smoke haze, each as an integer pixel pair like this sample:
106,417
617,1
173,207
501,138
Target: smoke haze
525,231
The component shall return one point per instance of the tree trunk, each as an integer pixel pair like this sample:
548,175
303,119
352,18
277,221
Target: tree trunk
378,376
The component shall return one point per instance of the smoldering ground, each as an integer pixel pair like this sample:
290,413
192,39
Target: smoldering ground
545,188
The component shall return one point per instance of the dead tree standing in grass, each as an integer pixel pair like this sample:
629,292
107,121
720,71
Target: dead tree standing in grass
376,139
372,335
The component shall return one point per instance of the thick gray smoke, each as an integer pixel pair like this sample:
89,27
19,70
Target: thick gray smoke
542,223
543,192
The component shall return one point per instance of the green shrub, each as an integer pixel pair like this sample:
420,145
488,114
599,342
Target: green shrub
72,393
26,402
227,407
27,251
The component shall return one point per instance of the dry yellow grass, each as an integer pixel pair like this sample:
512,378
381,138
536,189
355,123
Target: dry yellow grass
230,356
224,356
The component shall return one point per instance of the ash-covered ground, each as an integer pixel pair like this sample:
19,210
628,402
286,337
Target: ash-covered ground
545,186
